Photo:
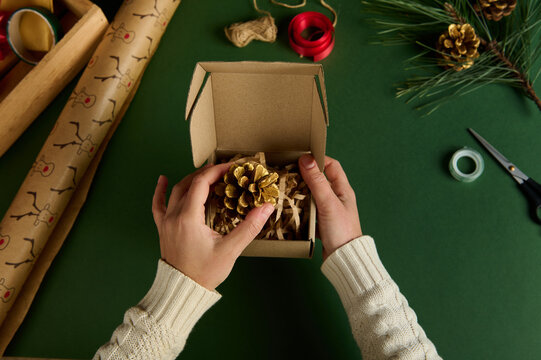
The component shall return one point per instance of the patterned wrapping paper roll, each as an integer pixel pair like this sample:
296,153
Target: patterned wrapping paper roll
111,74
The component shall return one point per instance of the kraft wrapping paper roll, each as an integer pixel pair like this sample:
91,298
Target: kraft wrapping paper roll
111,74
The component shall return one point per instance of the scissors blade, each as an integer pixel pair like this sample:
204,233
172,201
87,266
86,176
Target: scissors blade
518,175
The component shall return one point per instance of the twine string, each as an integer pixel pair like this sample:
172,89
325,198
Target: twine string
289,6
260,10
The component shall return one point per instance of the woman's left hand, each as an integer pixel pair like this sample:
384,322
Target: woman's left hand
186,242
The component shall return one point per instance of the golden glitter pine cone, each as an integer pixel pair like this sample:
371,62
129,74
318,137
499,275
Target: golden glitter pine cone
495,9
246,186
458,46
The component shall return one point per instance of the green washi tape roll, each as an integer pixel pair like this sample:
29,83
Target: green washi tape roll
15,38
468,153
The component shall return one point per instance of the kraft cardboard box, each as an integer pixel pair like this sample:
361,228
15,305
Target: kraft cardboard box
247,107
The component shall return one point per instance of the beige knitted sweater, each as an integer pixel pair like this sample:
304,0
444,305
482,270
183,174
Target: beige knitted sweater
383,324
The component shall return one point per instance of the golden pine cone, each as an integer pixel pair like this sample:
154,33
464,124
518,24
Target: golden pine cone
495,9
247,186
458,46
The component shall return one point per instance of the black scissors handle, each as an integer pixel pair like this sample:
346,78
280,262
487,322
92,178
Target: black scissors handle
532,191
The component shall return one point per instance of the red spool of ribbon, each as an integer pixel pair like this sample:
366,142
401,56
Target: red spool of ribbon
319,48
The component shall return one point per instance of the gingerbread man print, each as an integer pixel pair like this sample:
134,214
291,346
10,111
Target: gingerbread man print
84,145
125,80
30,258
4,241
112,118
43,215
6,293
72,185
42,167
161,16
82,98
121,33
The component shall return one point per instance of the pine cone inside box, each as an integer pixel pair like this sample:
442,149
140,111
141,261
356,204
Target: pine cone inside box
495,9
250,183
246,186
458,46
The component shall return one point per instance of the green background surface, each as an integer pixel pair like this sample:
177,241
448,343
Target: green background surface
466,256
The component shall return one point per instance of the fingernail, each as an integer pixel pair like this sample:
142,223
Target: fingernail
268,209
307,162
159,178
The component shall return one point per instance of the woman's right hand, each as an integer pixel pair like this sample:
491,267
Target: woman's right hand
337,216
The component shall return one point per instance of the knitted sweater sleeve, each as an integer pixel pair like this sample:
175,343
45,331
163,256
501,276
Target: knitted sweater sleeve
383,324
158,326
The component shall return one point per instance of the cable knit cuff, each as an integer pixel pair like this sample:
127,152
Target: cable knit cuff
354,269
176,301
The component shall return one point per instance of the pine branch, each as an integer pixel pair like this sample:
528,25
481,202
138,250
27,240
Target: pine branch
525,83
494,48
510,60
452,12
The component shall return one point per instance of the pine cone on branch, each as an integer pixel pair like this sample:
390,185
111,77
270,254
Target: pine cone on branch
246,186
458,46
495,9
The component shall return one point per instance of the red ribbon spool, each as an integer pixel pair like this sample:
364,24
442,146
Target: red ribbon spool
318,49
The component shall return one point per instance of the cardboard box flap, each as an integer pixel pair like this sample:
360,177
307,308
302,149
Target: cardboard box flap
323,93
256,106
280,248
202,126
198,77
262,112
259,67
254,67
318,130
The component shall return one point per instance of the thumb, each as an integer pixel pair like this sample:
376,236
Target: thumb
316,181
247,230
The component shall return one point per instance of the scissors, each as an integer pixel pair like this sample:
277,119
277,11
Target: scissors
527,185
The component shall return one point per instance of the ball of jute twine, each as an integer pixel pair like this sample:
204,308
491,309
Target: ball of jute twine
263,28
242,33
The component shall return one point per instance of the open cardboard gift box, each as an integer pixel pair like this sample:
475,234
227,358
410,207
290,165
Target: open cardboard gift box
247,107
